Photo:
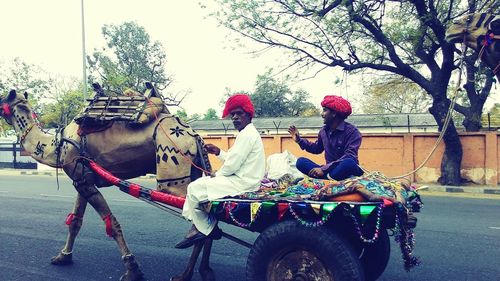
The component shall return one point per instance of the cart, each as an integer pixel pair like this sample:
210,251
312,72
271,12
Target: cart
305,240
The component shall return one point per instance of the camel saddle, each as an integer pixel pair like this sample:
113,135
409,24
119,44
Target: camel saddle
132,107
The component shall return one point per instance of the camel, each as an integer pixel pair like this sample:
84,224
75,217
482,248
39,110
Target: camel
481,32
166,147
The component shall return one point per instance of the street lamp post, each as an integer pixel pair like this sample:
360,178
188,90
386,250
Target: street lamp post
84,57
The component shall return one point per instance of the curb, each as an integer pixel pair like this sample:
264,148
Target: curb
479,189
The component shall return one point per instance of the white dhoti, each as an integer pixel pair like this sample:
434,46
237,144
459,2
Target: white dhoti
207,188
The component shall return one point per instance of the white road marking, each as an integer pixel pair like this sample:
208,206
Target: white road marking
60,196
495,227
69,196
125,200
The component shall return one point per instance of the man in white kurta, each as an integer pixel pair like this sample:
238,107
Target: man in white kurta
242,170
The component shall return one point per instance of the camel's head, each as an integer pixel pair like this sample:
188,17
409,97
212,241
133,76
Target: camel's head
14,103
482,33
472,29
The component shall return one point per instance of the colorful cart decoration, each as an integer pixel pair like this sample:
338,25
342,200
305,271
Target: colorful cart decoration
302,238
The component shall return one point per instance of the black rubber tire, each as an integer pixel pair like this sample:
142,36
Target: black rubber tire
375,257
333,256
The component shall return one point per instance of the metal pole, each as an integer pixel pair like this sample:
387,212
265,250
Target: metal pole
84,57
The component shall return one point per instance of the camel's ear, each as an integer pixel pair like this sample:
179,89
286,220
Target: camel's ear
26,95
12,95
495,25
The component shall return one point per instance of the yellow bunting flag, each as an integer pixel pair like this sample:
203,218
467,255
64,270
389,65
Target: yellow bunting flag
316,208
254,208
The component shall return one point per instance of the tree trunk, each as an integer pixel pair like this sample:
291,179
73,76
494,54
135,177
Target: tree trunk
452,157
472,122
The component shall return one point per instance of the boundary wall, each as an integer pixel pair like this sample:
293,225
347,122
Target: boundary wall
398,154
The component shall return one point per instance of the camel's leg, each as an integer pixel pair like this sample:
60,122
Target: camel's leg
74,222
113,229
207,274
188,272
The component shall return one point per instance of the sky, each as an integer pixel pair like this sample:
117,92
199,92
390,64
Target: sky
200,55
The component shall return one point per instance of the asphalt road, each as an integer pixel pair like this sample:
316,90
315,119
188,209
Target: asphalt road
457,238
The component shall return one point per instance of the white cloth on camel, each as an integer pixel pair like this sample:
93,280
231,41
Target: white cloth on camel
242,171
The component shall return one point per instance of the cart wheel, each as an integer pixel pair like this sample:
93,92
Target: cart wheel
375,257
290,251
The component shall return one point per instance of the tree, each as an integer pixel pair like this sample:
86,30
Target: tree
274,98
211,115
23,77
299,104
402,37
391,94
270,97
130,59
181,113
63,108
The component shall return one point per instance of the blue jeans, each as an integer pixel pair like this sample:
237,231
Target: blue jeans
339,171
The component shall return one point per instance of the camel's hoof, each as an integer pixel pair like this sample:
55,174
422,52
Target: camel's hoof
207,274
133,272
135,275
179,278
62,259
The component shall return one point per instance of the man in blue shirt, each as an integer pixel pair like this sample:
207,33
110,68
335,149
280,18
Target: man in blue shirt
339,140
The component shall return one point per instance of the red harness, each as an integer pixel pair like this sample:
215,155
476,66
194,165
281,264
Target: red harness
6,112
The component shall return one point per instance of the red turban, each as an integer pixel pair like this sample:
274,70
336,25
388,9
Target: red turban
337,104
239,100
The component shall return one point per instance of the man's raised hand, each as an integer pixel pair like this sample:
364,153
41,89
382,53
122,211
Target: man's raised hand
294,132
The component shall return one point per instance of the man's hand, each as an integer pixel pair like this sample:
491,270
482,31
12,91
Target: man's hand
294,132
316,173
212,149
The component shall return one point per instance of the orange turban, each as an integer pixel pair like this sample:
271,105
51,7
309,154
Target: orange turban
337,104
239,100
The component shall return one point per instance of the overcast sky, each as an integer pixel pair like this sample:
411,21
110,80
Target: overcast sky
199,55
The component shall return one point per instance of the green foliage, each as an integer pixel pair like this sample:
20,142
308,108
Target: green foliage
270,97
64,109
392,94
130,59
211,114
273,98
24,77
184,116
181,113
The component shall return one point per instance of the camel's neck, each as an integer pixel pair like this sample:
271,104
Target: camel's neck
492,59
40,145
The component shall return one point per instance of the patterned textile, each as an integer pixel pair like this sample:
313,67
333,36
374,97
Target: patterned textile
373,187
